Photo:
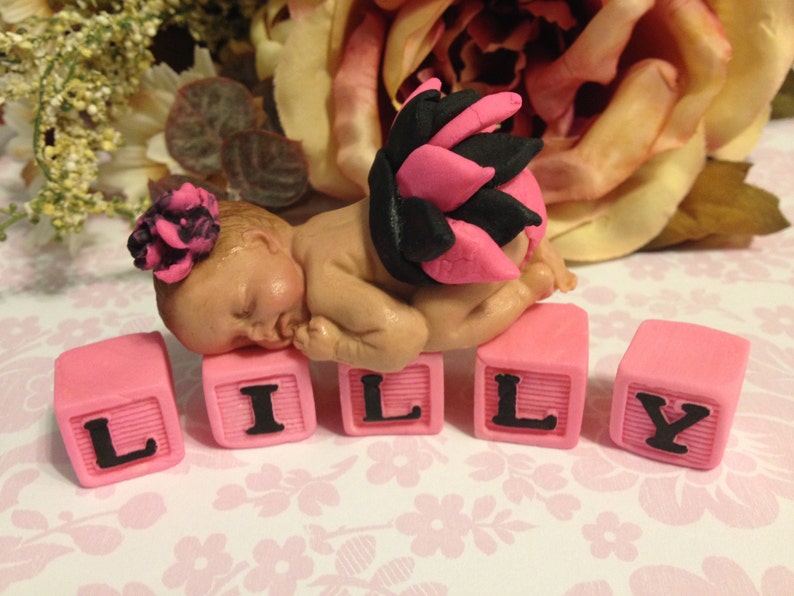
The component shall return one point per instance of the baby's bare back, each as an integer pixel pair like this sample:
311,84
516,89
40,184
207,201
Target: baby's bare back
337,243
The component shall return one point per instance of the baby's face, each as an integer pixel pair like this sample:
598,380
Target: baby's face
252,296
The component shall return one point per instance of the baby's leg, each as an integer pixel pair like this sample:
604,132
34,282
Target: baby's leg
469,315
564,278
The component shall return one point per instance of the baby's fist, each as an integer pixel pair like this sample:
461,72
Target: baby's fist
317,339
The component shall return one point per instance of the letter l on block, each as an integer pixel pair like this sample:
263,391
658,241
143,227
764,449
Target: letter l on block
116,409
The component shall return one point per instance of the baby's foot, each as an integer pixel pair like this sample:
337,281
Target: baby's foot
539,279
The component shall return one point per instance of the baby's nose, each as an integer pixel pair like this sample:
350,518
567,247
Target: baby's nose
260,332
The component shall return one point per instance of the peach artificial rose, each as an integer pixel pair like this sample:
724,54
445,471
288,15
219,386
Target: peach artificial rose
630,96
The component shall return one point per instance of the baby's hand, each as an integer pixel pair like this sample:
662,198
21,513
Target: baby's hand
318,339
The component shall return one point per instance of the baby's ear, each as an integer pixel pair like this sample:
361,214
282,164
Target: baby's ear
268,238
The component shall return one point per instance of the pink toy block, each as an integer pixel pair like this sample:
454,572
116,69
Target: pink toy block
115,407
408,402
530,382
676,392
257,397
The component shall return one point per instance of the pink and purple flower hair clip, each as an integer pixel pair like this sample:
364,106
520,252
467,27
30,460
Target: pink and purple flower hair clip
177,231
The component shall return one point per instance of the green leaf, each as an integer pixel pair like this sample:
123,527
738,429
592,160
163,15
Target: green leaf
204,114
721,208
265,168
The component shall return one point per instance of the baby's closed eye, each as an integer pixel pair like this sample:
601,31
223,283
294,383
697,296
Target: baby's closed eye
246,310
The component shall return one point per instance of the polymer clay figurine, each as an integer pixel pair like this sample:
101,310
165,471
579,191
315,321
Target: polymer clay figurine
446,252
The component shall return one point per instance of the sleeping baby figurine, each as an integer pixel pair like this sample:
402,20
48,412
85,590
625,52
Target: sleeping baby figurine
446,252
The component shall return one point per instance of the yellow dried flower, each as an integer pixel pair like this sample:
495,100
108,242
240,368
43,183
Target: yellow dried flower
77,68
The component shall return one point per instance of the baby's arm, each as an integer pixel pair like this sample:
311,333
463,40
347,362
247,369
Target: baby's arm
361,325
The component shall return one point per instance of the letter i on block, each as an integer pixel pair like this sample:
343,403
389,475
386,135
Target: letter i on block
115,406
530,382
408,402
257,397
676,392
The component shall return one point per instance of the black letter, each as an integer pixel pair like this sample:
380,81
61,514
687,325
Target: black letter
506,414
105,451
666,432
262,404
372,403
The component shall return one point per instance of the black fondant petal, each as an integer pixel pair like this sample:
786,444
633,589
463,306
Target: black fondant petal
451,106
506,153
498,213
412,127
426,234
385,226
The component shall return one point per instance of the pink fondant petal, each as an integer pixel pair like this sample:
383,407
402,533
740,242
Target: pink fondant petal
200,246
440,176
481,116
176,272
186,197
433,83
154,255
474,258
169,232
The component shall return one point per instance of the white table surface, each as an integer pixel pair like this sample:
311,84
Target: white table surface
416,514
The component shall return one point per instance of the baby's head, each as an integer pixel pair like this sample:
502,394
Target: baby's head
224,275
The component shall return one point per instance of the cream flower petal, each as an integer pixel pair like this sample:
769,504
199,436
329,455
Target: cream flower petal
704,52
267,54
762,35
355,92
592,57
157,151
268,36
634,213
302,84
147,117
738,148
16,11
619,140
412,35
442,54
129,172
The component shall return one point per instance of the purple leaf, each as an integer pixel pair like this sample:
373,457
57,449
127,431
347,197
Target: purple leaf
203,115
265,168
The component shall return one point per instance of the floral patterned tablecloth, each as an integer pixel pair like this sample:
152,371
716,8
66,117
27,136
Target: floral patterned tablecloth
409,514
